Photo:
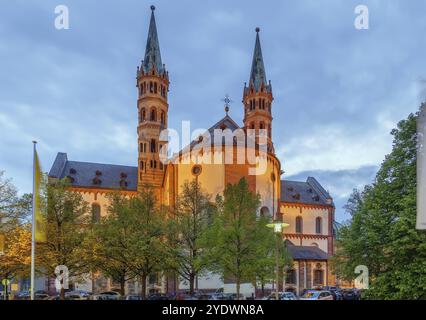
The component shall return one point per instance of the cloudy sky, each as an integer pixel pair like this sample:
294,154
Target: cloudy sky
338,90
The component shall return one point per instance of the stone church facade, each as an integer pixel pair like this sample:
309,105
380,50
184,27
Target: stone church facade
306,206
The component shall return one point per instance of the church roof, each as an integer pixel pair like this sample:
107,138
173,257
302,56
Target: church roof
94,175
309,192
152,51
305,252
258,73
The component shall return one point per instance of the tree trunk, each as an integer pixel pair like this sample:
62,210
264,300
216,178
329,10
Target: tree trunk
143,280
263,289
62,295
122,286
238,289
93,283
191,283
6,292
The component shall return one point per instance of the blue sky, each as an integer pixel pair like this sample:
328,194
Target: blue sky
338,91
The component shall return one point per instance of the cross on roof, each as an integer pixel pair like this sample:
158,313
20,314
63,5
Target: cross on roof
227,101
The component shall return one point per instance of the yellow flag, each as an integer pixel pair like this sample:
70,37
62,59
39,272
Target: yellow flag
40,225
2,244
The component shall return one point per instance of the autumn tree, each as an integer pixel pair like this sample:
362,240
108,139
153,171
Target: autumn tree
15,258
67,221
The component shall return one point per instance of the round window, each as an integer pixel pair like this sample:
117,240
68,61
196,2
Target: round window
196,170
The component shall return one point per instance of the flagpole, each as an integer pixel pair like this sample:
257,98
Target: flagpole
33,226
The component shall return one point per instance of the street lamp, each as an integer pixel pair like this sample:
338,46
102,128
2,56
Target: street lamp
278,227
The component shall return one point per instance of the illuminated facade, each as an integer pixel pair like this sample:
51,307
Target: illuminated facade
305,206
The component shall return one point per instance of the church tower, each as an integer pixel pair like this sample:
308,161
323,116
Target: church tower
153,86
257,97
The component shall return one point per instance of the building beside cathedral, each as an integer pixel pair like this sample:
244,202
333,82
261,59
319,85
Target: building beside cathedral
306,206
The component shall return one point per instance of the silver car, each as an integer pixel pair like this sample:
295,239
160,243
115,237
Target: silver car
317,295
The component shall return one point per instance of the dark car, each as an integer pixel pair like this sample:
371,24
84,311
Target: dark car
158,296
335,291
350,294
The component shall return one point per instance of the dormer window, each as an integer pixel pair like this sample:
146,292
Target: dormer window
73,171
96,181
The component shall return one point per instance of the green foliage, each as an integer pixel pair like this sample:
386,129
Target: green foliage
128,243
191,219
67,223
381,233
241,245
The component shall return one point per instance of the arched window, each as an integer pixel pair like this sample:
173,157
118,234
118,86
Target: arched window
318,276
318,225
153,146
151,87
262,126
291,277
153,116
314,244
142,115
252,125
155,87
96,213
163,117
264,213
299,225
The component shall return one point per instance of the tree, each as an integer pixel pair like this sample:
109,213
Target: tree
192,217
111,241
149,229
66,226
14,210
234,238
129,242
15,260
264,268
381,233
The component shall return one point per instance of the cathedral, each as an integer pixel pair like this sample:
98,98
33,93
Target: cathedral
305,206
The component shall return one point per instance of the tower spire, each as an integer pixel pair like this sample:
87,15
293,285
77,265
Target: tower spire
258,74
152,53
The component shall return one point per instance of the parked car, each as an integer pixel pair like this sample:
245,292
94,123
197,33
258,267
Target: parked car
23,295
158,296
317,295
220,296
133,297
233,296
351,294
107,295
281,296
41,295
335,291
77,295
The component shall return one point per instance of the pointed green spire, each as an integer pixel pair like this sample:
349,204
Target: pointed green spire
152,52
258,75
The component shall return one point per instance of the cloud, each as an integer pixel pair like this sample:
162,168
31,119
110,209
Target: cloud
338,91
340,183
